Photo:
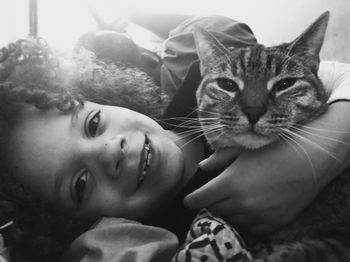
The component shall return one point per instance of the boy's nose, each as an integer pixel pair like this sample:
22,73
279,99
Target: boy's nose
111,155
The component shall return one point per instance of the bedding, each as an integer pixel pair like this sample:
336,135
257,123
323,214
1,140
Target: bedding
118,240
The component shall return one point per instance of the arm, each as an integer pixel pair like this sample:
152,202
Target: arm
265,189
152,22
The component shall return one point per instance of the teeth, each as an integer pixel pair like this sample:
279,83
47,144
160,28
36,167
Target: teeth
146,163
142,177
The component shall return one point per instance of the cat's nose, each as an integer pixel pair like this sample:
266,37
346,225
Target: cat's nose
254,113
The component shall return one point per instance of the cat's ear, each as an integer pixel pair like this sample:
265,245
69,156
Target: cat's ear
211,52
309,43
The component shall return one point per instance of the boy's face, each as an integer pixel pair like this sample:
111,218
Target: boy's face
98,161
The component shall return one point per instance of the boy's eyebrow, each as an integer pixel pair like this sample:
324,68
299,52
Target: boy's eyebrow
75,113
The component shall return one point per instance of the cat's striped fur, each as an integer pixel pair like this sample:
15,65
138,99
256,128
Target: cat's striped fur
253,93
250,97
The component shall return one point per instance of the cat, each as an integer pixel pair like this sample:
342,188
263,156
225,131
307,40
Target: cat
256,92
251,97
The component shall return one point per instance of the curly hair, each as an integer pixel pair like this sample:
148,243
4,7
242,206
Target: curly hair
32,73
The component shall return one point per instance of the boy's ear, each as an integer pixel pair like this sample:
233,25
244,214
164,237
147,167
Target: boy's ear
151,64
309,43
210,51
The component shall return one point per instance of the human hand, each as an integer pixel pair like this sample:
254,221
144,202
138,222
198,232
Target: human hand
220,159
265,189
253,193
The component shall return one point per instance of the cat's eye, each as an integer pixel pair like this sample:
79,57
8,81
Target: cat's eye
227,84
93,123
284,84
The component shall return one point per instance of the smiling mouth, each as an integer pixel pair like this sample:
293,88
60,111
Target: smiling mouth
147,161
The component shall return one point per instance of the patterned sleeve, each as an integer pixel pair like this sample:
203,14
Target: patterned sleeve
212,239
336,78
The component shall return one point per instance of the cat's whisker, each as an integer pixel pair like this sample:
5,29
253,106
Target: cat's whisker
289,137
180,120
218,136
207,112
320,121
213,130
175,118
207,128
188,133
202,131
200,135
209,121
202,127
318,135
286,139
322,129
313,143
184,126
209,118
190,123
181,137
187,117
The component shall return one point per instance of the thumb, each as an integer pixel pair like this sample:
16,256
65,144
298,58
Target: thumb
220,159
213,191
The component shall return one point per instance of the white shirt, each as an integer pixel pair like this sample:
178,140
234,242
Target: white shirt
335,76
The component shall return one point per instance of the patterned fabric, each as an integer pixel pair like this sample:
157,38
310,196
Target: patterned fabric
211,239
4,256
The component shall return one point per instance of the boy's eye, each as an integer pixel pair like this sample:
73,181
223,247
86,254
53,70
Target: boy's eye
80,186
93,124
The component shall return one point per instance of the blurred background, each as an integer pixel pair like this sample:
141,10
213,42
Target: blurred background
61,22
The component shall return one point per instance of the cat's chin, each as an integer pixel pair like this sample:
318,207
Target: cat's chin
248,140
253,140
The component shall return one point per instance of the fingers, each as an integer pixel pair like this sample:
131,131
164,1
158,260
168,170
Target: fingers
219,159
238,218
212,192
241,220
226,207
250,224
233,213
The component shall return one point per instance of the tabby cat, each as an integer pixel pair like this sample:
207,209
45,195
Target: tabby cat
250,97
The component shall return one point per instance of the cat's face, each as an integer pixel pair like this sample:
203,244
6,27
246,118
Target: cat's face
250,96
